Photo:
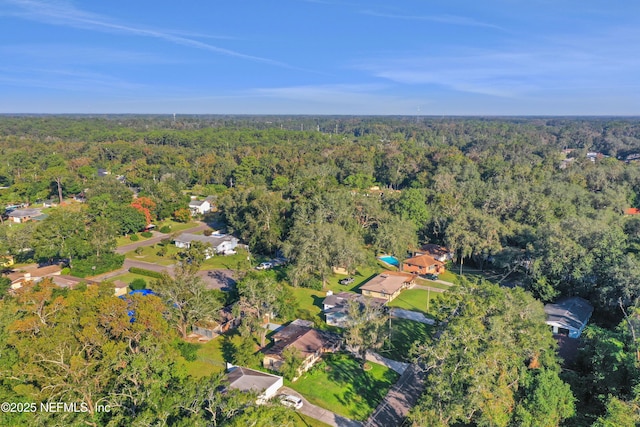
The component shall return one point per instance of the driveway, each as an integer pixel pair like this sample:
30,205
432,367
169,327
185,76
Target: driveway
411,315
321,414
218,279
403,396
399,367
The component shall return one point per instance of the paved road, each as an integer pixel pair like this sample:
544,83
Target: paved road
404,394
157,238
411,315
321,414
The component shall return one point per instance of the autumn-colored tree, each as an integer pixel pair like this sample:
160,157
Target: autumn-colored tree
182,215
146,206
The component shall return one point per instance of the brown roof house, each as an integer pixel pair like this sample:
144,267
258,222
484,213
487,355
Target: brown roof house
423,264
32,274
309,343
388,285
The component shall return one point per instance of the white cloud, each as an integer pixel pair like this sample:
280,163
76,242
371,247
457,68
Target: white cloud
442,19
66,14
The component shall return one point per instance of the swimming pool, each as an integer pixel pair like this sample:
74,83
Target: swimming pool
391,260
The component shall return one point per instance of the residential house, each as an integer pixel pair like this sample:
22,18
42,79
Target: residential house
23,215
50,203
219,243
309,343
422,264
633,157
199,207
209,330
388,285
18,278
437,252
336,307
569,316
632,211
250,380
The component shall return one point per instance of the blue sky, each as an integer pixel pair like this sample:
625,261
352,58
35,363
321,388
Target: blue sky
497,57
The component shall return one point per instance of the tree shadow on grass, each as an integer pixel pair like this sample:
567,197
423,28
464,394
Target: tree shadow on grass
404,334
362,391
229,349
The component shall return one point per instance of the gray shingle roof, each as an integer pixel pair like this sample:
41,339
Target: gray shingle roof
246,379
21,213
569,313
214,241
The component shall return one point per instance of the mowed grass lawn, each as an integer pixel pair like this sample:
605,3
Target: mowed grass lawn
403,334
310,300
306,421
213,355
414,300
339,384
150,254
229,262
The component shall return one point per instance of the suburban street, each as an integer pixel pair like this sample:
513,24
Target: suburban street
157,238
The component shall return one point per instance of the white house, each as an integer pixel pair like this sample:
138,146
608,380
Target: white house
199,207
220,243
245,379
568,316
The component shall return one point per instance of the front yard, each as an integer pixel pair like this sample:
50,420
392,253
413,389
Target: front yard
151,254
403,334
415,300
339,384
236,262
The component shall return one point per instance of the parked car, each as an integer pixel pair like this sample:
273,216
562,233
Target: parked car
346,281
291,401
265,266
431,276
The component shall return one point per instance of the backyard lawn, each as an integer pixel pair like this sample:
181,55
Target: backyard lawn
310,300
213,355
414,300
339,384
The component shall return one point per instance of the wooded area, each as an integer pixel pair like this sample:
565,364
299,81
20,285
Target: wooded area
539,202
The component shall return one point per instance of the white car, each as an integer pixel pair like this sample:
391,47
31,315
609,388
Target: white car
291,401
265,266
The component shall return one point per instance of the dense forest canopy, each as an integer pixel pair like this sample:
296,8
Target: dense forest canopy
539,201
